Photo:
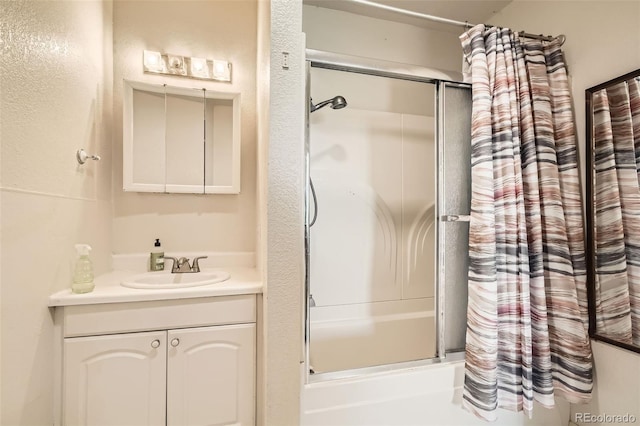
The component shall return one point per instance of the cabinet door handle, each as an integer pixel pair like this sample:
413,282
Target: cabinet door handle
155,344
175,342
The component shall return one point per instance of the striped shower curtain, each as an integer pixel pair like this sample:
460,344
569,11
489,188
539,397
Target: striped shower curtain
527,332
616,125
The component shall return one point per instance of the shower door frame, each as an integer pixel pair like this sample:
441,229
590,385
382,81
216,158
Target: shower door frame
440,79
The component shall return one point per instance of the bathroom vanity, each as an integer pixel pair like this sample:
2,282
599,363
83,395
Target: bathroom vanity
183,356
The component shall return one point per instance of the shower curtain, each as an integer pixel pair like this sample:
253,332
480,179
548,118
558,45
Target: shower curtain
616,116
527,333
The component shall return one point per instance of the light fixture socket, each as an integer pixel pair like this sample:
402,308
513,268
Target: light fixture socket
175,65
192,67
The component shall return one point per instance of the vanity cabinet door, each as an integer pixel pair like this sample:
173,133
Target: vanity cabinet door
115,380
211,376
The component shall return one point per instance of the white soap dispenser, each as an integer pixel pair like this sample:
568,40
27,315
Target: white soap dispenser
83,273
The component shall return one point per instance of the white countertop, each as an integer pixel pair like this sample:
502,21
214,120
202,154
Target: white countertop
108,289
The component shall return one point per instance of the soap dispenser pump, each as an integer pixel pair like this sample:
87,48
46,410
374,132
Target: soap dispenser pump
83,274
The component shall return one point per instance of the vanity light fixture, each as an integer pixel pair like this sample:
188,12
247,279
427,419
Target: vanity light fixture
193,67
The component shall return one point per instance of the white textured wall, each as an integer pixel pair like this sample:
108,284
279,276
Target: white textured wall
56,79
224,29
603,41
285,248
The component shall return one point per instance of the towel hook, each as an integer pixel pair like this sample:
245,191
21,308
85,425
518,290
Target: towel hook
82,156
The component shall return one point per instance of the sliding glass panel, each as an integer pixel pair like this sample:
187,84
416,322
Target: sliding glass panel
455,209
372,246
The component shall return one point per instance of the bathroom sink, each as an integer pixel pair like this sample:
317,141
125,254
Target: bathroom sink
167,280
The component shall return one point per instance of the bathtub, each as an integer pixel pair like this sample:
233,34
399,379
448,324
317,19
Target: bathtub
375,364
424,393
346,337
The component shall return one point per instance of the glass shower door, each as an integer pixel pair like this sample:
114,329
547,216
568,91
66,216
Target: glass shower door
372,248
454,209
387,226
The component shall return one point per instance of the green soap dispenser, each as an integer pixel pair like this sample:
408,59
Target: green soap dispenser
83,273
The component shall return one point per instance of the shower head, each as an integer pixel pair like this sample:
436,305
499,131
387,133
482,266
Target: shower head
335,103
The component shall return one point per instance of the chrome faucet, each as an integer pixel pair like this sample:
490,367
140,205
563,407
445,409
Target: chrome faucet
181,265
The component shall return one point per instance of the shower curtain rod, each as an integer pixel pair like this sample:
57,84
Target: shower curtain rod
441,20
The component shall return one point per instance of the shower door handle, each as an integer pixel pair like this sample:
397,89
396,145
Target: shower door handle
455,218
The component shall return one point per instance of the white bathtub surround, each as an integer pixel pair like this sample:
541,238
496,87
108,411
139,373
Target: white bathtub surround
352,336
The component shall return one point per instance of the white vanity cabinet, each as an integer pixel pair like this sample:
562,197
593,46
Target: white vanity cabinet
115,380
211,375
170,362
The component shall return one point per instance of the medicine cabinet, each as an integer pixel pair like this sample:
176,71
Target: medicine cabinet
180,140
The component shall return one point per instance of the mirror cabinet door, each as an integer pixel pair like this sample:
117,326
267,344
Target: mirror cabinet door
613,220
184,143
180,140
144,160
222,145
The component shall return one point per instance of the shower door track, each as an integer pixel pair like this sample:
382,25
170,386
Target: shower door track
381,68
400,71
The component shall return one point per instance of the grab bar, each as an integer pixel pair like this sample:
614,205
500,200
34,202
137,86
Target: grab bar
455,218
